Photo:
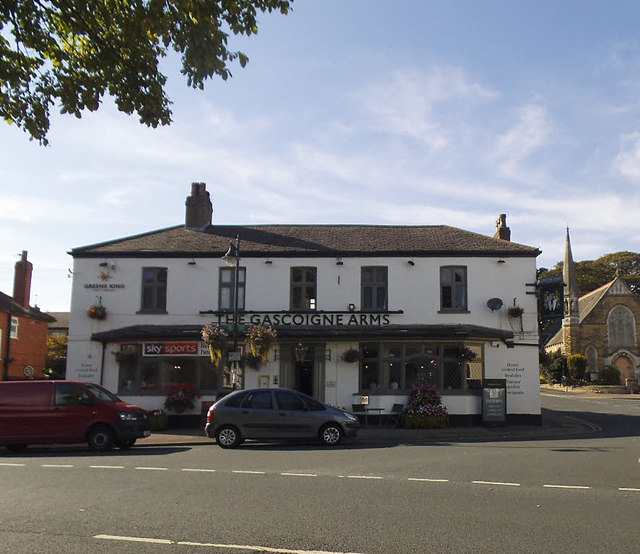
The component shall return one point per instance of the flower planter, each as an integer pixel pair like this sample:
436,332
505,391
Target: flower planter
414,421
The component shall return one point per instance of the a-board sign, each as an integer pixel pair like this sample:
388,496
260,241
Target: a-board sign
494,401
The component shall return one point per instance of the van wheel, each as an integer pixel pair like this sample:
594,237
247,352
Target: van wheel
330,434
228,436
125,445
100,438
16,448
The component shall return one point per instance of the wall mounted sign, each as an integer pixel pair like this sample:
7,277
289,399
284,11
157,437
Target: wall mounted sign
184,348
335,319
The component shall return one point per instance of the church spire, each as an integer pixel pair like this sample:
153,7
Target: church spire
571,305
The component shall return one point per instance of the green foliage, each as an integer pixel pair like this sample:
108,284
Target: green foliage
592,274
610,375
555,368
56,357
73,52
577,365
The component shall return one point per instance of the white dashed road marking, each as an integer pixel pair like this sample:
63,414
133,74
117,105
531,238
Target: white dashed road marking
428,480
497,483
299,474
132,539
199,470
628,489
153,468
364,477
252,548
565,487
56,465
106,467
249,472
12,465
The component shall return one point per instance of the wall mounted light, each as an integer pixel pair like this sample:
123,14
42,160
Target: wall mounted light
339,262
411,263
501,262
104,263
192,262
268,262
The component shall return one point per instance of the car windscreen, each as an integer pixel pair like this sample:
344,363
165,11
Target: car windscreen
101,393
312,404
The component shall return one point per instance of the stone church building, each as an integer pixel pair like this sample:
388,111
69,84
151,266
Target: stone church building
603,325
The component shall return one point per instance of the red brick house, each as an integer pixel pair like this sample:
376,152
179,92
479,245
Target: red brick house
23,329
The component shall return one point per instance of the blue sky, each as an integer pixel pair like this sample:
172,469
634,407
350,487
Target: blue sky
380,112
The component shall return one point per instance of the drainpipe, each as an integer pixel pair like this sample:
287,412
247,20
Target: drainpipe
7,350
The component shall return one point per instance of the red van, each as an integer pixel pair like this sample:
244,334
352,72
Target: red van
54,412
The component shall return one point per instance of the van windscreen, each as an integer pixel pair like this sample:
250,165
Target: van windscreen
101,393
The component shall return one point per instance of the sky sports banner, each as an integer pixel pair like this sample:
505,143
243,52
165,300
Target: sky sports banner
175,349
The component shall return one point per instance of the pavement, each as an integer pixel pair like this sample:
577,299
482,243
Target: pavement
553,425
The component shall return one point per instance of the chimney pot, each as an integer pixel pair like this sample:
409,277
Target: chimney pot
502,231
199,209
22,281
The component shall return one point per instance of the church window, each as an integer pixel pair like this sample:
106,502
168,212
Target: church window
621,327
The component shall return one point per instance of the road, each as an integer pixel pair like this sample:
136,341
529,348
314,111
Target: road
576,494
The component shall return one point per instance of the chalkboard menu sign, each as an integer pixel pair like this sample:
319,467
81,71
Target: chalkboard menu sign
494,401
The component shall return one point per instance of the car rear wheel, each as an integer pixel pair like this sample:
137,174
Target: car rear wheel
228,436
331,434
100,438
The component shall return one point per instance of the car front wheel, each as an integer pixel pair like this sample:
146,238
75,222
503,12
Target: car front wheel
331,434
228,436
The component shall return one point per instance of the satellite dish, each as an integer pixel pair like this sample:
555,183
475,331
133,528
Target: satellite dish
494,304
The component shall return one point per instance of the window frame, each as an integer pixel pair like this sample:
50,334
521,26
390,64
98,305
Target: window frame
157,286
310,304
14,326
378,366
230,285
375,285
450,273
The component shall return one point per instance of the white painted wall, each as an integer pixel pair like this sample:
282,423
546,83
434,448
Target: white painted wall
413,289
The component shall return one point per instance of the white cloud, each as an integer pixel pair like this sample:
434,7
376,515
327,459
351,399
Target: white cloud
627,162
525,138
405,106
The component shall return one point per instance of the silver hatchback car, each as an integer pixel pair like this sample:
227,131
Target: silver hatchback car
276,414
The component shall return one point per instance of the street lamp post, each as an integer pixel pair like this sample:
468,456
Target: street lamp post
232,259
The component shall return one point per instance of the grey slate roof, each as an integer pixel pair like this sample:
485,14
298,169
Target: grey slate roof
308,240
8,305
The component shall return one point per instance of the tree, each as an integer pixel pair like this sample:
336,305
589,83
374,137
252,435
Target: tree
73,52
577,365
592,274
56,359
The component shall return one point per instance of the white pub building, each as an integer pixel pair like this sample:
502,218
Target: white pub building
360,311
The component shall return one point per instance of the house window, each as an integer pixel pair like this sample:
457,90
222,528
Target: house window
374,288
13,330
148,375
621,327
303,288
154,289
390,366
453,289
226,292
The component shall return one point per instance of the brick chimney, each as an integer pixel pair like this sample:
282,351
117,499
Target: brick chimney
199,210
502,231
22,281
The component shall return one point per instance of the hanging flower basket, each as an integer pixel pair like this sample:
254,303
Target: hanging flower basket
515,312
97,312
260,339
351,356
254,362
466,354
216,338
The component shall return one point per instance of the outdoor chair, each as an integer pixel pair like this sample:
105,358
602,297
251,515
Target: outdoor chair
395,419
360,410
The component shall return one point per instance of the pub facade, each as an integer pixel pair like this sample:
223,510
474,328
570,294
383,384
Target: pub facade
360,312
